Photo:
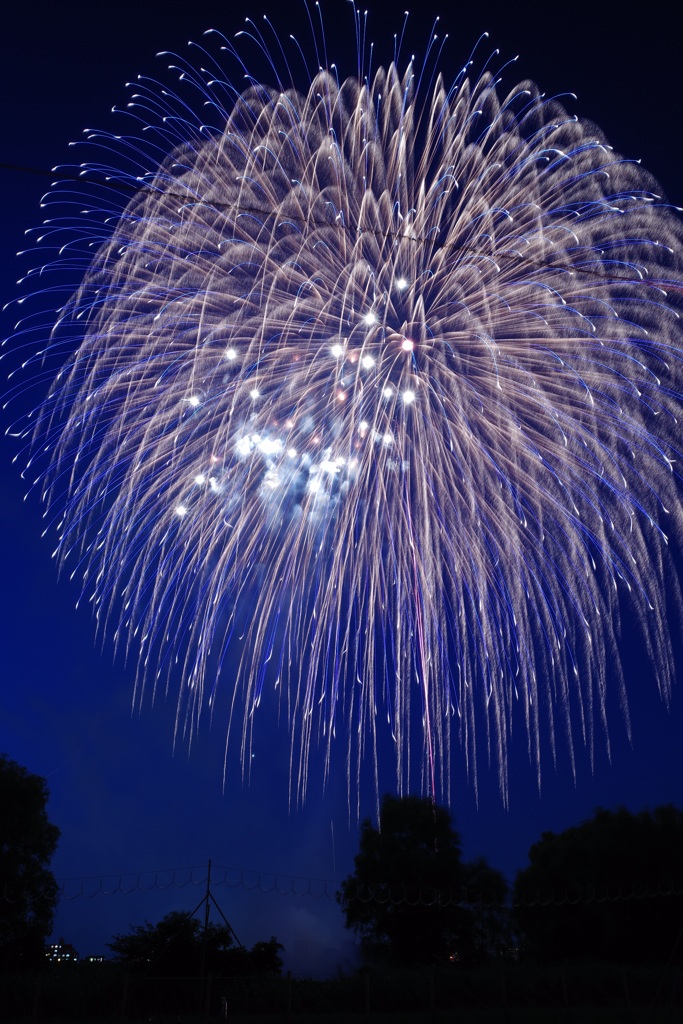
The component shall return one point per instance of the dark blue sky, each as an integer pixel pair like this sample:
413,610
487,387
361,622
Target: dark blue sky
127,803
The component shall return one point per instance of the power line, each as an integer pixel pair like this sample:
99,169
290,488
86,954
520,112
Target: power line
286,884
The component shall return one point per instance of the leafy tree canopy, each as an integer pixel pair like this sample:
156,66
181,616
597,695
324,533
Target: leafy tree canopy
485,896
610,888
28,890
402,898
179,945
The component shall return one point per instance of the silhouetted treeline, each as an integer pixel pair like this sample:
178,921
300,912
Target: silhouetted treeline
28,889
609,889
181,945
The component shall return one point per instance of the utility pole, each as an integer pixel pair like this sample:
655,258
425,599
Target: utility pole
207,908
208,898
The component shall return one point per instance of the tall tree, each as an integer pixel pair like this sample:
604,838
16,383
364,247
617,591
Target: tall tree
610,888
402,899
28,890
485,897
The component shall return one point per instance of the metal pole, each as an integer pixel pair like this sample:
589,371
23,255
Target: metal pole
203,1008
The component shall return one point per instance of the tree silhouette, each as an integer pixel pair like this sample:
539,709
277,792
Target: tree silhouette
610,889
180,945
485,896
28,891
402,899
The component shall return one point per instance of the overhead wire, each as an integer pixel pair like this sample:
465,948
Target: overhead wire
299,886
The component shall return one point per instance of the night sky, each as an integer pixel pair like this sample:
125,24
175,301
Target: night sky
136,815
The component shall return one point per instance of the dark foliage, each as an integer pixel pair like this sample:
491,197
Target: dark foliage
485,897
608,889
28,890
265,958
403,898
180,945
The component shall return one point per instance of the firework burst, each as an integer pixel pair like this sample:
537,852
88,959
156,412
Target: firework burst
366,407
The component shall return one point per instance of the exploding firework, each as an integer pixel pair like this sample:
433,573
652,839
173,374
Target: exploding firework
366,407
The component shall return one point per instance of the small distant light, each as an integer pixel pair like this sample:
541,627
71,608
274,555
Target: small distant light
387,439
194,400
401,284
291,452
367,362
200,479
407,345
181,510
388,392
254,393
370,319
363,426
337,351
408,397
341,396
230,353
